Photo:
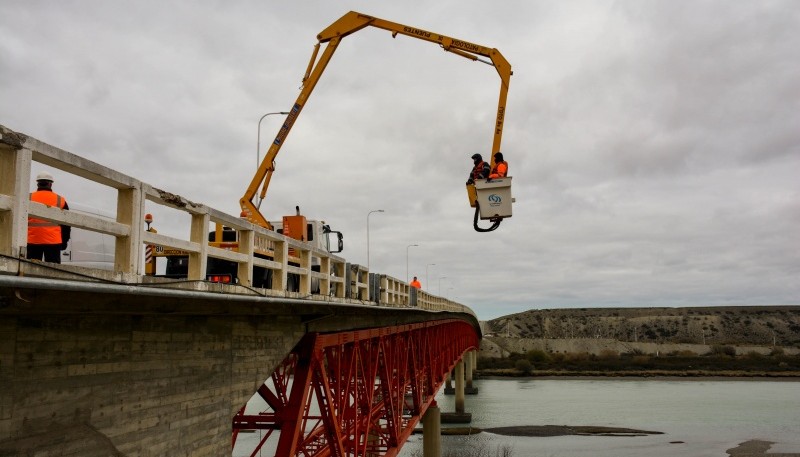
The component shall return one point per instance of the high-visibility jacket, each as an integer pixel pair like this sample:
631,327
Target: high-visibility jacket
415,284
500,170
480,171
41,231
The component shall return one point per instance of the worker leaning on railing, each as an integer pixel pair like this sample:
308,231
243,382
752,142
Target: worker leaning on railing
45,238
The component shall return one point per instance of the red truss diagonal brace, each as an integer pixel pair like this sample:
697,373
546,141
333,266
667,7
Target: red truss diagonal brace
357,393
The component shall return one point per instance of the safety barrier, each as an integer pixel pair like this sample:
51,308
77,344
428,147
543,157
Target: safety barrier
336,278
394,292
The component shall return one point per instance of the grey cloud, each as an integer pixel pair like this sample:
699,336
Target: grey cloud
653,144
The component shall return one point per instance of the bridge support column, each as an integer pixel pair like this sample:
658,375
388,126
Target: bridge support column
374,439
471,358
459,416
448,384
432,432
460,386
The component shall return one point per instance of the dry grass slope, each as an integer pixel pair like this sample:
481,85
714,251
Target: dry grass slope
732,325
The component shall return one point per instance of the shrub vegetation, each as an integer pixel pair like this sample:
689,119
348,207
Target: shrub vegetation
721,360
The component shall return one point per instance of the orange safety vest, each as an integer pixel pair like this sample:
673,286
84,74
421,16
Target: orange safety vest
415,284
41,231
479,171
500,170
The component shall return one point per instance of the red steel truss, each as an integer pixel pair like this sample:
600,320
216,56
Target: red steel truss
356,393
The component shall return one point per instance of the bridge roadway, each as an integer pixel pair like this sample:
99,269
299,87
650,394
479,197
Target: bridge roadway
99,363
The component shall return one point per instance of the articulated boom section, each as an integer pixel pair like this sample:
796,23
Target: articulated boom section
346,25
357,393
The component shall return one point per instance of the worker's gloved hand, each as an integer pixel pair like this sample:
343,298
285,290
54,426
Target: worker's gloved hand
470,181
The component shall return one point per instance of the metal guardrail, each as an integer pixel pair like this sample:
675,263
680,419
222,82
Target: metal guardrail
337,278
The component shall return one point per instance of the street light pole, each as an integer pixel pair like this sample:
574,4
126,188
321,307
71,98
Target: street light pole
258,144
410,245
440,284
426,274
368,214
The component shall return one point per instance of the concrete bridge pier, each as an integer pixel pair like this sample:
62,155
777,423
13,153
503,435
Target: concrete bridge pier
459,416
471,359
448,384
432,432
460,386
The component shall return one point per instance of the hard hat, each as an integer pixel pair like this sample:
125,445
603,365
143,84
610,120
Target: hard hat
44,176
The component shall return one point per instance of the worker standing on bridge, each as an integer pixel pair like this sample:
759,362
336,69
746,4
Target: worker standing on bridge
500,169
45,238
479,171
415,283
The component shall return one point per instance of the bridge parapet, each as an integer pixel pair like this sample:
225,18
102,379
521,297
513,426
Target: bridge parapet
337,279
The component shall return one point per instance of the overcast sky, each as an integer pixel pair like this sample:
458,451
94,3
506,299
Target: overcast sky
654,145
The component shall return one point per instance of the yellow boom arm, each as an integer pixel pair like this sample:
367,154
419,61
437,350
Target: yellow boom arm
347,24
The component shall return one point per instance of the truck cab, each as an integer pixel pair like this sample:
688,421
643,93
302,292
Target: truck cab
316,233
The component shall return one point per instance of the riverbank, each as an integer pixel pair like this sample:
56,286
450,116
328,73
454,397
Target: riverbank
547,431
704,374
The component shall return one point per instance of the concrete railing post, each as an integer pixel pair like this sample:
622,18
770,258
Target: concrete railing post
15,172
305,277
246,246
362,283
199,234
281,256
384,290
128,249
339,269
325,271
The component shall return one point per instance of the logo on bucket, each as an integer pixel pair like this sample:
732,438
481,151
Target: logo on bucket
494,200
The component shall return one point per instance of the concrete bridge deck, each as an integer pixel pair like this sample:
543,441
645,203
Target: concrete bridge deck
112,369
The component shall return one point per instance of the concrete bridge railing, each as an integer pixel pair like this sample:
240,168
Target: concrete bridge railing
337,279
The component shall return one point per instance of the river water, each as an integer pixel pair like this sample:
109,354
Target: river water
707,416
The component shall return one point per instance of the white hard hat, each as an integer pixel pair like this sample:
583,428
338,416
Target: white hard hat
44,176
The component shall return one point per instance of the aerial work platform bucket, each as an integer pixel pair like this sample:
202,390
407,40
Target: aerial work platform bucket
493,197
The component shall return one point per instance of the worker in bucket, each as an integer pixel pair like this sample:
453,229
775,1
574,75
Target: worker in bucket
500,169
479,171
45,238
415,283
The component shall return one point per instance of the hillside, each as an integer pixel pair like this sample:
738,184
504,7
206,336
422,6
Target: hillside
732,325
